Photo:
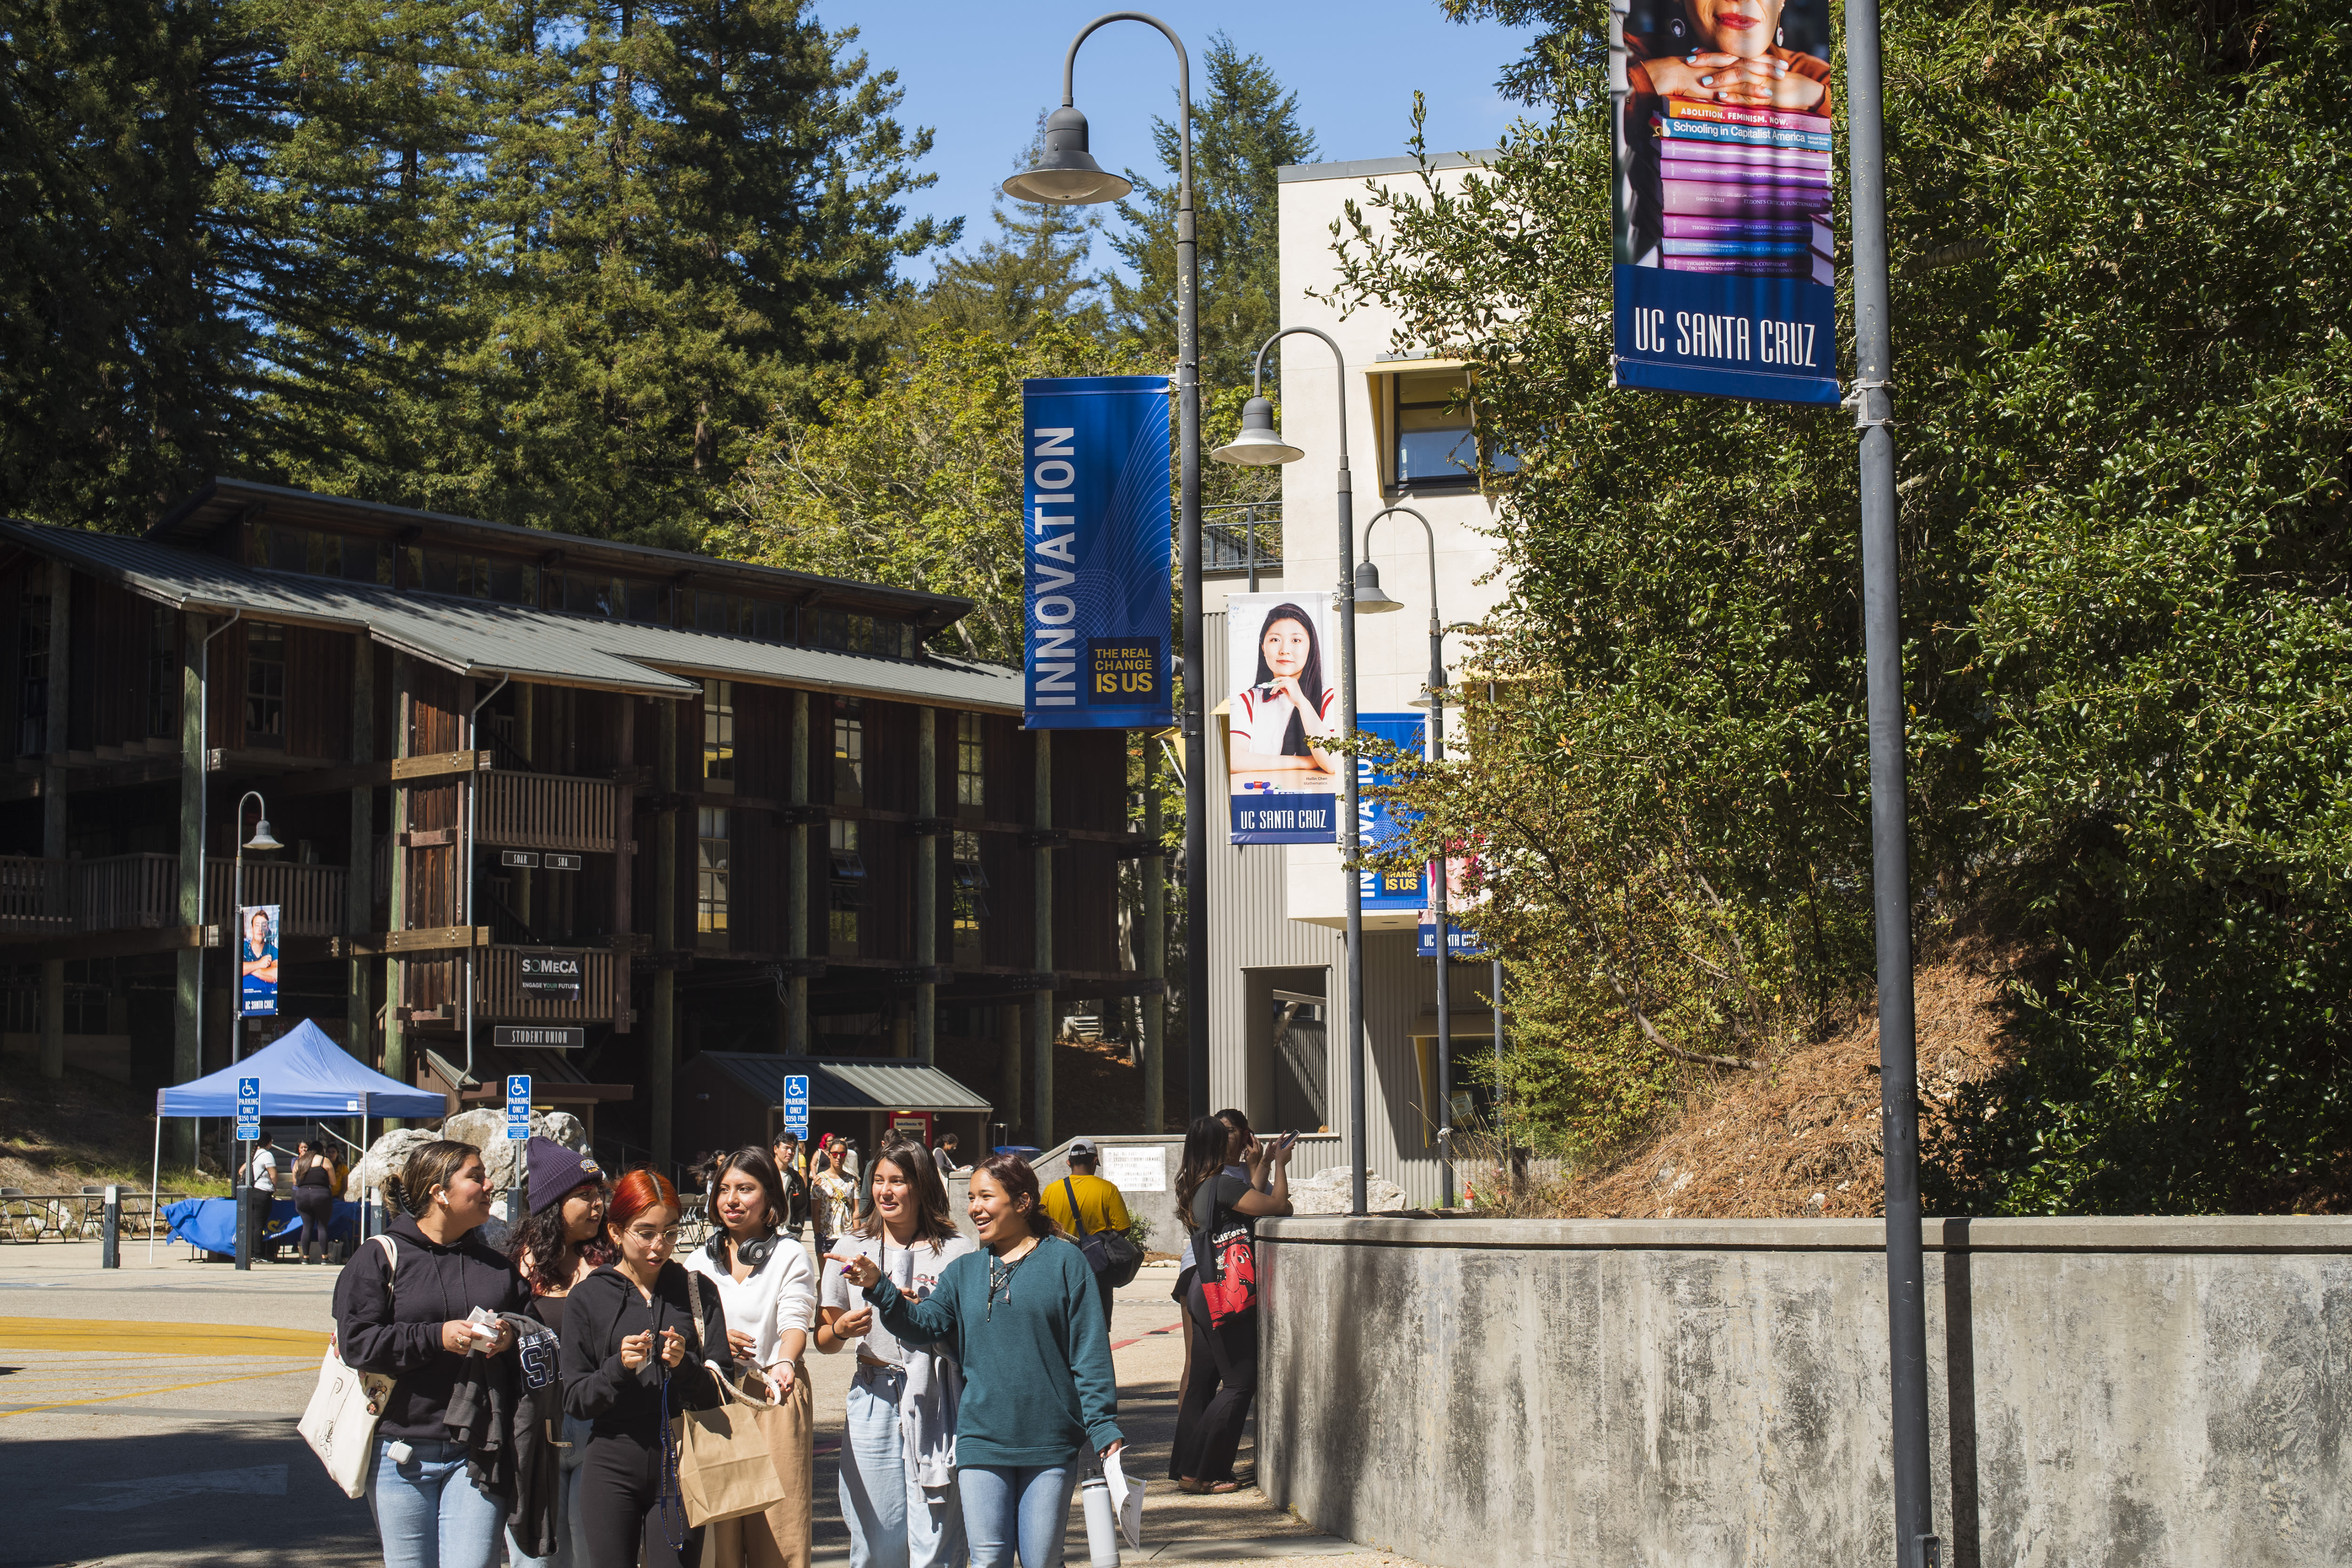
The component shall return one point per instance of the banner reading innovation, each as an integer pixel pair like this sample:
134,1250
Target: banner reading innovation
1380,824
1725,260
1095,521
1281,775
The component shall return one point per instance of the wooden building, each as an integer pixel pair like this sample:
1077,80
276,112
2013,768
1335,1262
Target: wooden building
549,805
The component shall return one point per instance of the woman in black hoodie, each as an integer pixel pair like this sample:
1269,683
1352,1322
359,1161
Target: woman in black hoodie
411,1323
634,1354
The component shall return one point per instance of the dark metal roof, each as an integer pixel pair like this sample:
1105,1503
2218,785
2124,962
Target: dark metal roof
848,1083
483,637
223,501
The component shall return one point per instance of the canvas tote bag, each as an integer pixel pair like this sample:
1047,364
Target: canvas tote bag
339,1422
725,1468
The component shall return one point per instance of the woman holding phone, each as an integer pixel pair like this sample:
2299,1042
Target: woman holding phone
1222,1378
769,1289
898,1497
1021,1319
633,1350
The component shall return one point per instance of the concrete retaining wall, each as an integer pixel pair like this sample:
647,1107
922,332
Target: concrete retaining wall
1497,1393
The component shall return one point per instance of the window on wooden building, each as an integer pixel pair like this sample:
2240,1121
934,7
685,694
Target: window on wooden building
162,672
854,632
848,751
315,552
738,616
710,870
613,598
845,889
718,734
970,897
972,766
265,685
33,675
472,576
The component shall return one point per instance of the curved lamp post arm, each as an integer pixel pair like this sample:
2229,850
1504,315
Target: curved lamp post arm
1257,389
1428,532
1183,89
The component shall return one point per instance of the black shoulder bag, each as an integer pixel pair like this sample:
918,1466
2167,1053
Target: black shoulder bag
1110,1253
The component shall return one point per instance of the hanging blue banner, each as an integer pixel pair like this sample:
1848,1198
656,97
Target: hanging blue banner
1095,524
1725,253
1380,824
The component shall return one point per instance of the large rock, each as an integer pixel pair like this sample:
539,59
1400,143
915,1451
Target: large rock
485,1130
1331,1191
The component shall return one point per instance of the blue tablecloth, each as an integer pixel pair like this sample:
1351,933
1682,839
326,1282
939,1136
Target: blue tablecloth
210,1222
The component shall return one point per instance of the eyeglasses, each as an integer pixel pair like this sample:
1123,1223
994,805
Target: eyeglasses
640,1233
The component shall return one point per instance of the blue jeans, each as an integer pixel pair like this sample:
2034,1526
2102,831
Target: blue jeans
1030,1505
428,1512
892,1522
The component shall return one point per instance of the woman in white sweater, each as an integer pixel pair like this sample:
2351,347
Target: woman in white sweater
769,1289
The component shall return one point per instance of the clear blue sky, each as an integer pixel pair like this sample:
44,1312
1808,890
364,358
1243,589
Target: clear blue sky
980,73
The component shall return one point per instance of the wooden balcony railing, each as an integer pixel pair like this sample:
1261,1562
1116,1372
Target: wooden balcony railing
309,899
543,811
142,892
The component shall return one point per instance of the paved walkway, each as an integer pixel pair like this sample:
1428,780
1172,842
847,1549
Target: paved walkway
179,1382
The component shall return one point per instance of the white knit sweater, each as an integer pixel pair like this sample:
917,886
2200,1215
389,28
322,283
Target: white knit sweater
780,1295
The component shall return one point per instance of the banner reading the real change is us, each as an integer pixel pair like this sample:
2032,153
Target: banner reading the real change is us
1095,522
1726,256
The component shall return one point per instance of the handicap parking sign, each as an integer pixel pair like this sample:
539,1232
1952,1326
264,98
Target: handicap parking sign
796,1105
518,1105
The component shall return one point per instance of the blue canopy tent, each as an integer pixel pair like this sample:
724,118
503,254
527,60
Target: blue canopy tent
304,1073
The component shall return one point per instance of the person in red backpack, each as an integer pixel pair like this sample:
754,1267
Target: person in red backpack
1222,1302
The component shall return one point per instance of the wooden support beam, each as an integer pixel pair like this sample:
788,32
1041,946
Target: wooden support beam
368,776
434,939
111,944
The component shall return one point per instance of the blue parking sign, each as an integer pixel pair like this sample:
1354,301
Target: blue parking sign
796,1105
249,1088
519,1086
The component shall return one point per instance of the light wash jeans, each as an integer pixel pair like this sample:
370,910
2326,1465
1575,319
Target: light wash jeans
892,1522
428,1512
1030,1505
567,1553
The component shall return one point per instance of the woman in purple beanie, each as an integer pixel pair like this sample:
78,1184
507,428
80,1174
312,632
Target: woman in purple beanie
561,1243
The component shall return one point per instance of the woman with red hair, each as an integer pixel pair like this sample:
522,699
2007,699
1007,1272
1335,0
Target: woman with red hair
637,1335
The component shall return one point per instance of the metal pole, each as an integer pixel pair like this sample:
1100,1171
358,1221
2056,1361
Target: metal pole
110,1246
1907,1313
473,868
1437,910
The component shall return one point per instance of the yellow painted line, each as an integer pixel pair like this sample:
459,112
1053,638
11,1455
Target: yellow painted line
160,1339
143,1393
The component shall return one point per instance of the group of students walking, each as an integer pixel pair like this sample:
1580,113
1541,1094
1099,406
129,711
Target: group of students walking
530,1417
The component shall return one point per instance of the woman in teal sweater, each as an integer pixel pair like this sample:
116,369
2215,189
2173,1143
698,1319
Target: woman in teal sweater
1023,1321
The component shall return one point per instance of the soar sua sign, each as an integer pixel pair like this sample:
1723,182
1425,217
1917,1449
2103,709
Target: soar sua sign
1095,520
1725,259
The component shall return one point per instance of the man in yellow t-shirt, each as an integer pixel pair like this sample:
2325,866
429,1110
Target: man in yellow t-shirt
1099,1204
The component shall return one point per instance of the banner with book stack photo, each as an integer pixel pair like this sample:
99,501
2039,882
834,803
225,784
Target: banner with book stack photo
1726,258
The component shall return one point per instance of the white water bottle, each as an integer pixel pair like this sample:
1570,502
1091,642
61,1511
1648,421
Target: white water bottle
1102,1521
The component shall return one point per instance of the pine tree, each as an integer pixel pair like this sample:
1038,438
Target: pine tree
1030,276
1242,130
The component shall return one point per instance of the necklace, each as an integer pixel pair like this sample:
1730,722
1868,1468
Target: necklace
1000,1277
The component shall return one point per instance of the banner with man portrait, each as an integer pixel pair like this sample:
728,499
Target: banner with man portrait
257,955
1726,253
1282,715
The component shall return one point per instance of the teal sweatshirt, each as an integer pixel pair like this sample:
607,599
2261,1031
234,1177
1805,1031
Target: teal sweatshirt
1038,1387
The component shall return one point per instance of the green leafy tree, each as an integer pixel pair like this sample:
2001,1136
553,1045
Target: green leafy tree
2119,242
916,481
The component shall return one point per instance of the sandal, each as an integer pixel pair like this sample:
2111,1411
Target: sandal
1219,1488
1190,1489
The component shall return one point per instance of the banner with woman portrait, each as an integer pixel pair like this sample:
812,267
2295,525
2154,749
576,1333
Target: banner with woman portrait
1281,717
1726,252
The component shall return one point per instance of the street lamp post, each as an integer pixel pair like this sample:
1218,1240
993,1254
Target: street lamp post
1069,175
241,1180
1370,600
1259,444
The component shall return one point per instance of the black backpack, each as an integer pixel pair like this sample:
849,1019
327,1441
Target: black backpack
1110,1253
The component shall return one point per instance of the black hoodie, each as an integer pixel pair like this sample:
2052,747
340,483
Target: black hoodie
605,1309
394,1326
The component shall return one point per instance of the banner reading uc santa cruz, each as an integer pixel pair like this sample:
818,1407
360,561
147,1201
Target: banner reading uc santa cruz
1095,522
1725,253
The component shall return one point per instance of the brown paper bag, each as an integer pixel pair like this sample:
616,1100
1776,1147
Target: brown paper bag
724,1469
778,1538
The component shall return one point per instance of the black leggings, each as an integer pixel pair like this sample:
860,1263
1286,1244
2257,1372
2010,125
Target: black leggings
621,1524
316,1204
1217,1398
